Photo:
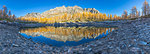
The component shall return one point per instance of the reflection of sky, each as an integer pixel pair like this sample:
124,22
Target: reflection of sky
49,41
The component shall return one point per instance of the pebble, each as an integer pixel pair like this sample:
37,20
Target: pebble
142,43
90,49
15,45
40,51
135,49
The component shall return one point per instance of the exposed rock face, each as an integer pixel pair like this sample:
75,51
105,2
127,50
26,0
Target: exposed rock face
58,11
34,15
92,10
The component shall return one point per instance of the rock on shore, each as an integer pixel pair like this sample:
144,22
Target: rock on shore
131,37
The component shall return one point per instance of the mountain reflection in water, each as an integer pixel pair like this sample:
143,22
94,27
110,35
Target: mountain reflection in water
69,36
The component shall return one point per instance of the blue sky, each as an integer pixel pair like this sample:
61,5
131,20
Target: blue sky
22,7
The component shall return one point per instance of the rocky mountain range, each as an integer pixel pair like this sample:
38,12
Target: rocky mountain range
58,11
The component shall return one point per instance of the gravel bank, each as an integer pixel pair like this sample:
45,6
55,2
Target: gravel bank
131,37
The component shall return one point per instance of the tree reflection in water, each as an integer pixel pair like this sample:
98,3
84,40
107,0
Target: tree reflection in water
65,35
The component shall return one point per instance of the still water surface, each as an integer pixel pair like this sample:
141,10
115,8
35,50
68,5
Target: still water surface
65,36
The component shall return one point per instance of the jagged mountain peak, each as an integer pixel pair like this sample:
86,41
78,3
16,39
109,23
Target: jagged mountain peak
35,15
59,11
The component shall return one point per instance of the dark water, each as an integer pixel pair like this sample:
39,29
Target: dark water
65,36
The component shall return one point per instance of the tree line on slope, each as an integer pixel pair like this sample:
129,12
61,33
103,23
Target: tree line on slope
76,17
5,14
88,16
136,14
82,17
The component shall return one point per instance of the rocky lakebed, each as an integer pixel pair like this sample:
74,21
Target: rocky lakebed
131,37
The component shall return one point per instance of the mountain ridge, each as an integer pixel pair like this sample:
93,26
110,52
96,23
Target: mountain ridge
59,11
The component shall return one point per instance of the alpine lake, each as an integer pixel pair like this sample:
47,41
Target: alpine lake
65,36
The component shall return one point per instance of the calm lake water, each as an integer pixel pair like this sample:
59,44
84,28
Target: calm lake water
65,36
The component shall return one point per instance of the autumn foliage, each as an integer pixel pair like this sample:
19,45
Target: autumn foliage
77,17
5,14
88,16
